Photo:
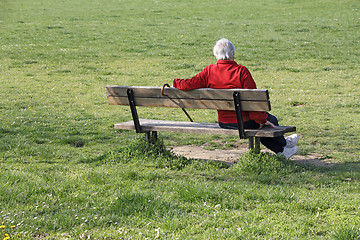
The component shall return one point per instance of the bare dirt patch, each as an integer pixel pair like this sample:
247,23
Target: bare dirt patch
231,156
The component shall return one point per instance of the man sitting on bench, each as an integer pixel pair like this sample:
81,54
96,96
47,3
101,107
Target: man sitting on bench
227,74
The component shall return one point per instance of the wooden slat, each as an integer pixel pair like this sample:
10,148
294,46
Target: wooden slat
221,99
191,104
202,128
202,93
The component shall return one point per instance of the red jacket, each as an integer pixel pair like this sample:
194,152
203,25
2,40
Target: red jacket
225,74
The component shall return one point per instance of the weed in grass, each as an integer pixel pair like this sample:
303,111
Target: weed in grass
75,141
139,151
258,164
9,232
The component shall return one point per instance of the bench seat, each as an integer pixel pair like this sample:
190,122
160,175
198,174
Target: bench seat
150,125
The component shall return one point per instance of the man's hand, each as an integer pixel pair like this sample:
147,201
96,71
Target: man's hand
270,124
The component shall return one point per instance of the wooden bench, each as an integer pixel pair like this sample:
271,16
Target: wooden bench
204,98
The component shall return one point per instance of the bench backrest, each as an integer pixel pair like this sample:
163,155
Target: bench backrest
203,98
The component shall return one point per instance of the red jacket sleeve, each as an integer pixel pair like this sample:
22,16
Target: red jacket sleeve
200,80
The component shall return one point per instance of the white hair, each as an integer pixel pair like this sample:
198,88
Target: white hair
224,50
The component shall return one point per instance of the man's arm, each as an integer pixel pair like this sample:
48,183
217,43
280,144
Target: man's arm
198,81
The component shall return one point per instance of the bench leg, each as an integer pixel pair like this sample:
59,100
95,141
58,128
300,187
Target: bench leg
254,143
154,136
257,144
251,143
151,137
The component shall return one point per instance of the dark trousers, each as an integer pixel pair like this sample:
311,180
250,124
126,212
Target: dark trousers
275,144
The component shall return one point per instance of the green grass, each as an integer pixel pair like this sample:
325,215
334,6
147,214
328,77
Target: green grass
65,173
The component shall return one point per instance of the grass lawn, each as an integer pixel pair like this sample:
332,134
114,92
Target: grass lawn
65,173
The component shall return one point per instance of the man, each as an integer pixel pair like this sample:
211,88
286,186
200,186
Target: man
227,74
